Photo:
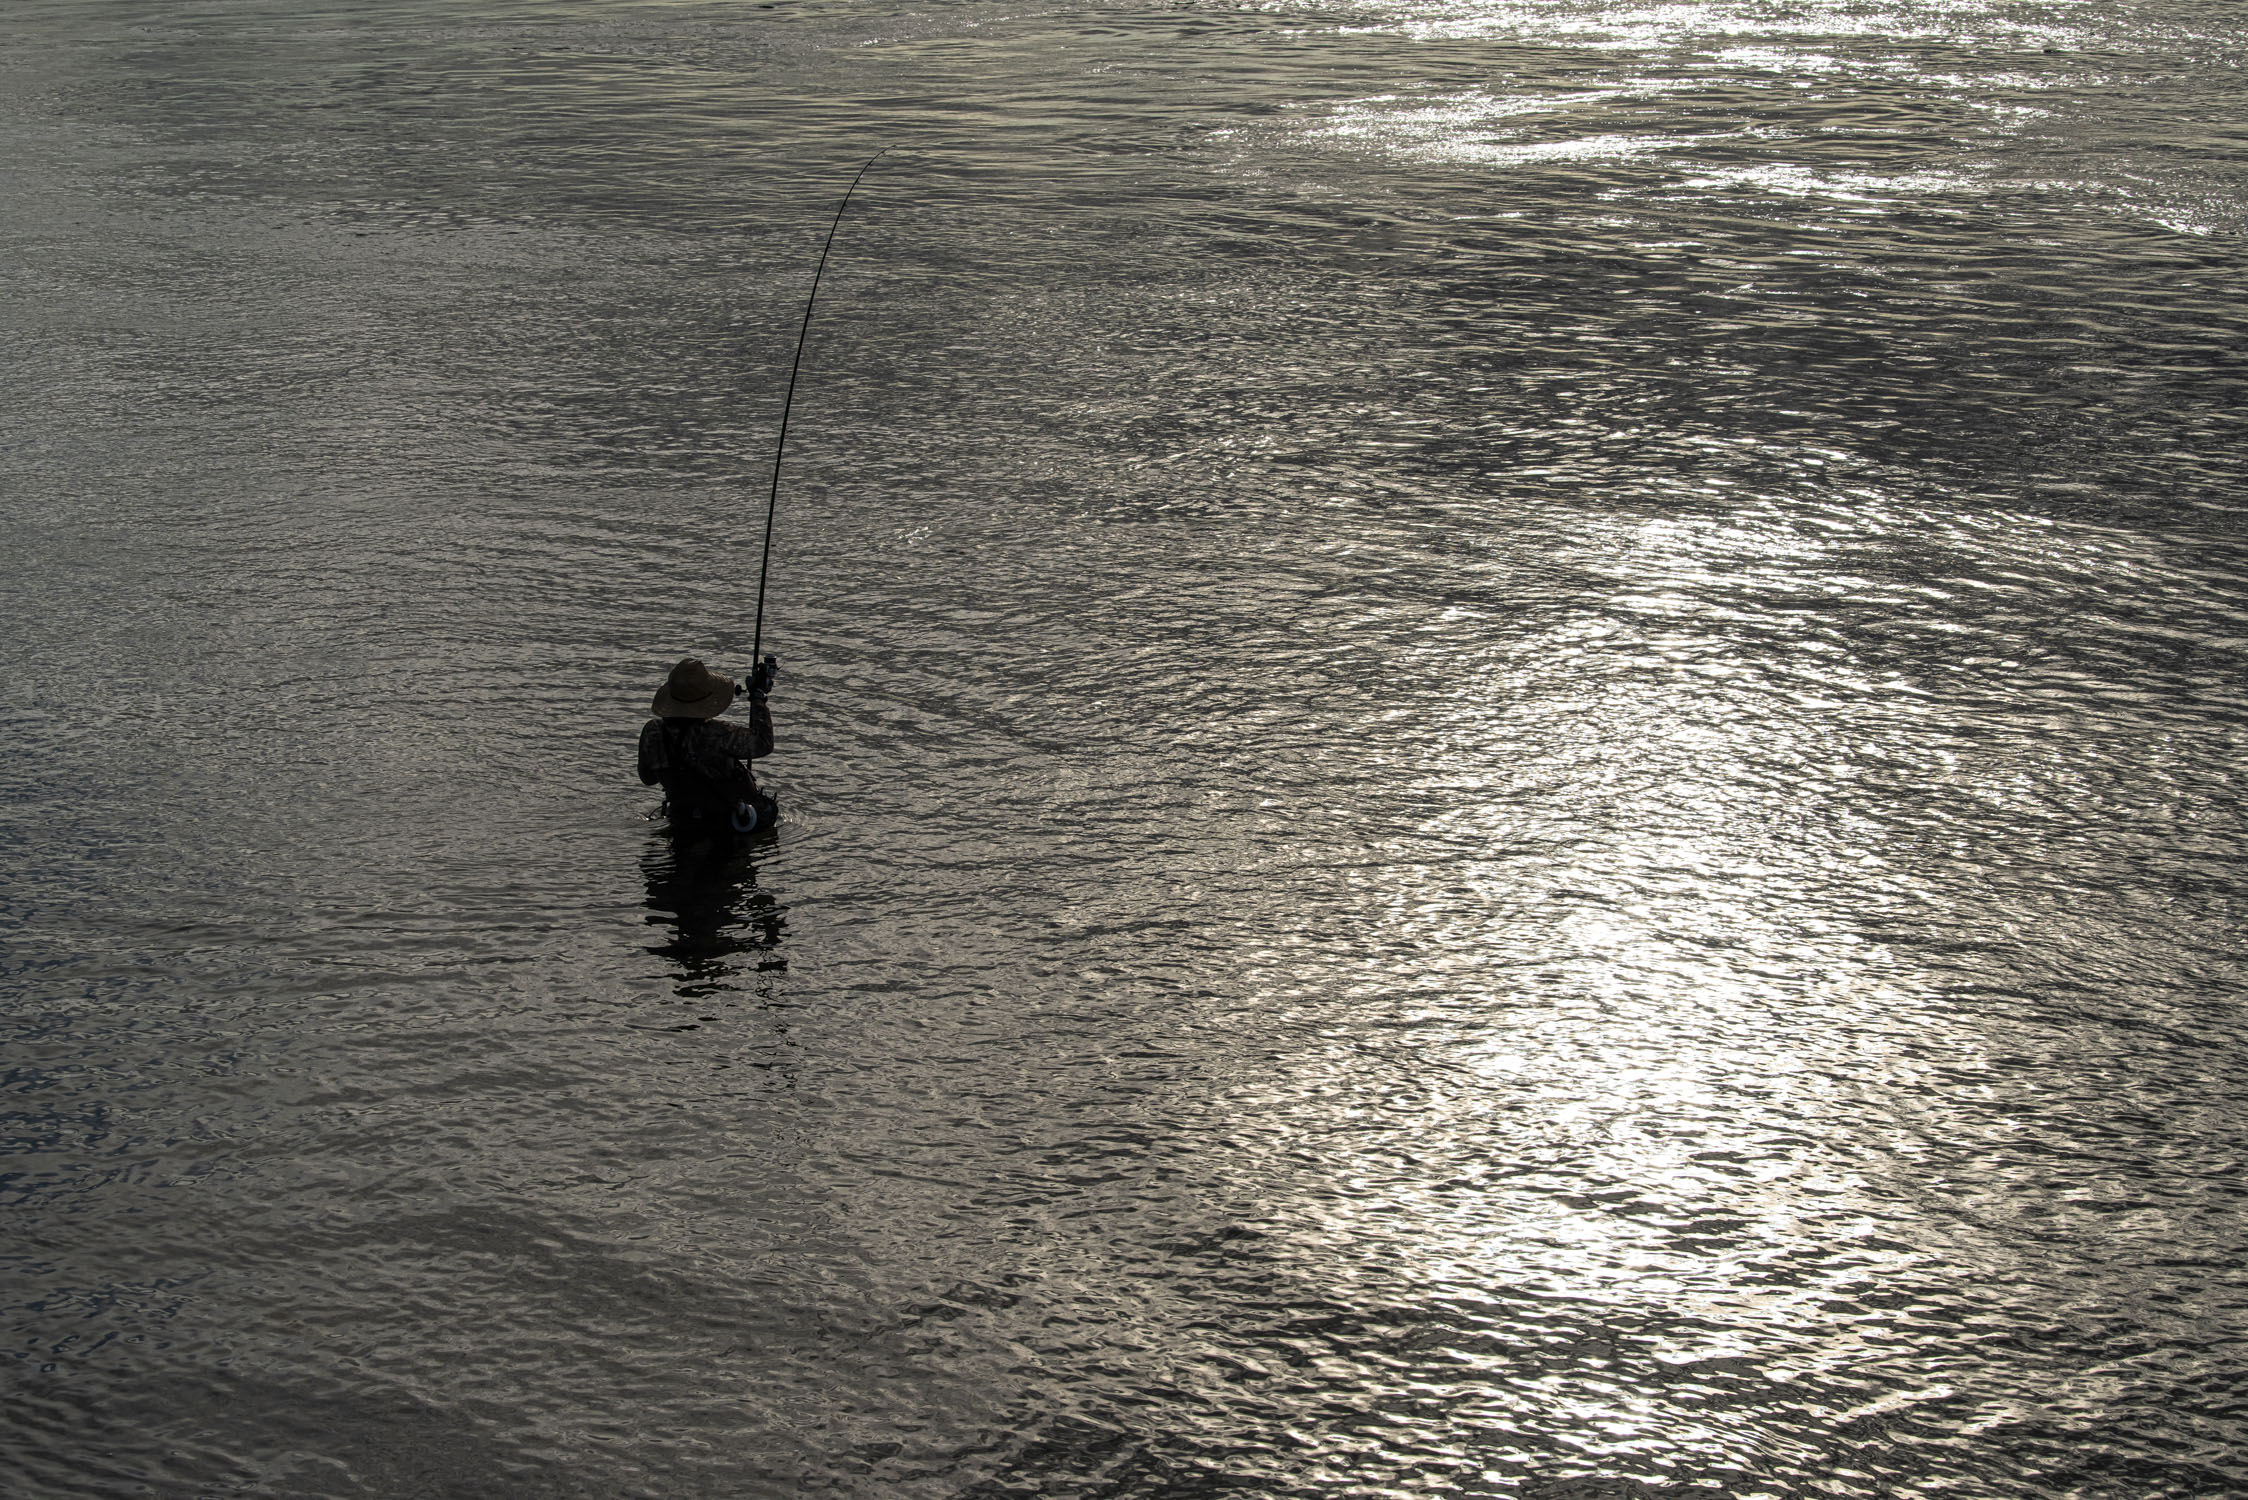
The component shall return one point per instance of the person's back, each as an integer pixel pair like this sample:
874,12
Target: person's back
702,761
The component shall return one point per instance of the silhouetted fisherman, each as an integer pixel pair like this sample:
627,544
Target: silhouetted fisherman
703,761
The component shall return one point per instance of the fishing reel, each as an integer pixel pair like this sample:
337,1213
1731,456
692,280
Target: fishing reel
762,677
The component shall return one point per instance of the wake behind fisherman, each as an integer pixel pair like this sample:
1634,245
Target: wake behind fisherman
702,761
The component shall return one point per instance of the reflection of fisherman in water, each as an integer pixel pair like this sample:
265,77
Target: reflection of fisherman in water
706,892
701,760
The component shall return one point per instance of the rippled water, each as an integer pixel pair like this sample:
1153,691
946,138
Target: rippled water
1513,736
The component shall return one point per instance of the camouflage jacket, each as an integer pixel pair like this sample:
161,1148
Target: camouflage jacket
704,760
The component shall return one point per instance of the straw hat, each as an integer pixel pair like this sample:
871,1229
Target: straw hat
693,691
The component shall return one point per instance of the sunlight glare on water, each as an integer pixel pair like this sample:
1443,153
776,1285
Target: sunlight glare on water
1510,734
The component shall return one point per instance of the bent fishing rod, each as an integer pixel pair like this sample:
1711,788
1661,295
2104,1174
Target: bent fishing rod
772,501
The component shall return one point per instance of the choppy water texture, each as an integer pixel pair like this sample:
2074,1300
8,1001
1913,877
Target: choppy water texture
1514,736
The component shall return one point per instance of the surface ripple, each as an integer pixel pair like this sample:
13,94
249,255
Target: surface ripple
1512,738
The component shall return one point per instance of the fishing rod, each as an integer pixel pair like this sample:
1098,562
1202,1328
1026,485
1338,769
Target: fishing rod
772,501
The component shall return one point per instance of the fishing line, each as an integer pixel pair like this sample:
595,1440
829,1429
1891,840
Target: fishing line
772,502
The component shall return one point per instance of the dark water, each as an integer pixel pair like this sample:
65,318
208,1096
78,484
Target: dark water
1514,736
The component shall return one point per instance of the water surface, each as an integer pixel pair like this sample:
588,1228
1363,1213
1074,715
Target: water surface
1513,738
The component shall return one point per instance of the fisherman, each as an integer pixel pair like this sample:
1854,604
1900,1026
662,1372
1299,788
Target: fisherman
701,760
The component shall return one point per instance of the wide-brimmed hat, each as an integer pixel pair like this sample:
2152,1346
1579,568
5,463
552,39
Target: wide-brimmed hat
693,691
